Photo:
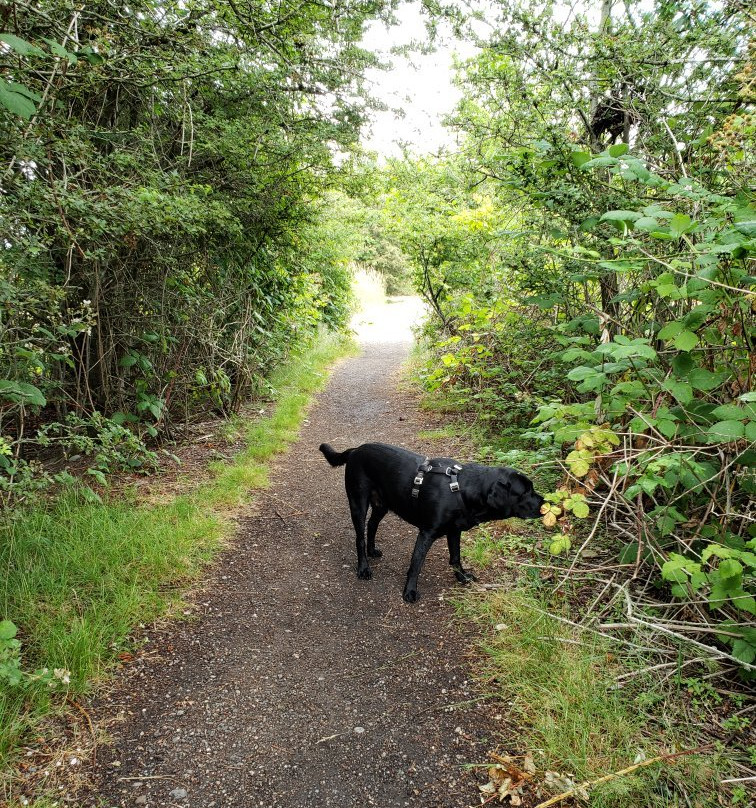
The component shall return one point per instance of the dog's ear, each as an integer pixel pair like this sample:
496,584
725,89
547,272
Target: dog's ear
520,483
500,493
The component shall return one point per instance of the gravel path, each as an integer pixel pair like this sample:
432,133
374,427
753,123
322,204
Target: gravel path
298,685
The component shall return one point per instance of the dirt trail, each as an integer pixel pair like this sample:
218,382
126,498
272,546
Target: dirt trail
297,685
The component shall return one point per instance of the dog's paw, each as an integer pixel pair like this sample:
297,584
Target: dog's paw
465,576
365,574
375,553
410,595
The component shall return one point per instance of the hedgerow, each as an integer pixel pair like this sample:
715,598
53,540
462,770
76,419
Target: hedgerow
165,240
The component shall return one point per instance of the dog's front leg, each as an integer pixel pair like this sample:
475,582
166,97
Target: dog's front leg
462,575
422,545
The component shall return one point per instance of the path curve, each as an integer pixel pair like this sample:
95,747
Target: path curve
298,685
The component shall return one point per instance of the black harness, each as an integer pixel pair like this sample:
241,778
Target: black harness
426,467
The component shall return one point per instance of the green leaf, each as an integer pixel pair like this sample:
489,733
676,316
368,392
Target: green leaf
15,102
580,158
747,228
560,544
646,223
8,630
581,509
680,224
98,475
620,216
600,162
702,379
670,330
730,568
618,149
22,393
744,651
725,431
728,411
682,391
21,45
682,364
667,426
686,340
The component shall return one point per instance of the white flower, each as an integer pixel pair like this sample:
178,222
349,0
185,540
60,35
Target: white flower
63,675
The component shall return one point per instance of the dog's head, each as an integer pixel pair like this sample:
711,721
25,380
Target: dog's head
513,495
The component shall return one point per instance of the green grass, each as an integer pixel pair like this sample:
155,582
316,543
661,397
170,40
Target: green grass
77,576
559,685
441,433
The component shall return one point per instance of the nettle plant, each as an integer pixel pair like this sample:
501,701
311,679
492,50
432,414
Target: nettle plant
667,420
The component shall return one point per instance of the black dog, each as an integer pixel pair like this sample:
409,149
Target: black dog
426,494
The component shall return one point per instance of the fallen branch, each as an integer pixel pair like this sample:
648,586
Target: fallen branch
621,773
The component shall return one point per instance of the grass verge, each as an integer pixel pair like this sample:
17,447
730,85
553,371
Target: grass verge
561,688
78,576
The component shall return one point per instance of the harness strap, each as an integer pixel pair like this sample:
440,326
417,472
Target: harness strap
427,467
424,467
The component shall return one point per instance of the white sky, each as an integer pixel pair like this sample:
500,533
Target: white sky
421,85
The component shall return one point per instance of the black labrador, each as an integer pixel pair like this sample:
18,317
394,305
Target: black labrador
447,500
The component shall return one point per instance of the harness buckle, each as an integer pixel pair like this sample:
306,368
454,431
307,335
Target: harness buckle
419,479
454,486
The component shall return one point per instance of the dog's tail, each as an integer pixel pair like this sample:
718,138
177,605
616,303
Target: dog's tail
332,456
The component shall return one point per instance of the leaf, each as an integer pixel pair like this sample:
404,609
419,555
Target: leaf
725,431
703,379
581,509
730,568
579,158
670,330
600,162
729,411
8,630
98,475
22,393
747,228
744,651
686,340
560,544
620,216
21,45
646,223
679,224
16,102
682,391
618,149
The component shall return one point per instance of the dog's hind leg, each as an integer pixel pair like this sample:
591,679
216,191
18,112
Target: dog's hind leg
358,505
422,544
376,514
463,576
